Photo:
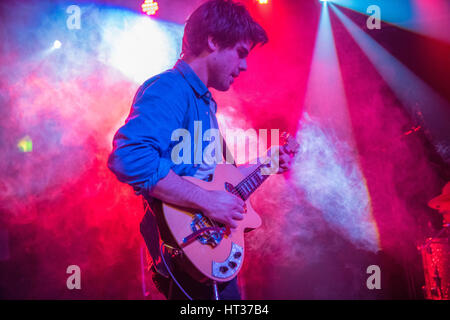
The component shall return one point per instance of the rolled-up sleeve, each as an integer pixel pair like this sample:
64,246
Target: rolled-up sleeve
139,145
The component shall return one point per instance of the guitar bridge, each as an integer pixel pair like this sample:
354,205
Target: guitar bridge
210,237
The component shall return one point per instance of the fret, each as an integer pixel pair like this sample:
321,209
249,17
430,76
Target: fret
246,183
245,192
258,177
243,188
253,184
249,184
257,180
239,192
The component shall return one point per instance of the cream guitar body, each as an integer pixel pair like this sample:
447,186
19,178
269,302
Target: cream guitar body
214,251
217,254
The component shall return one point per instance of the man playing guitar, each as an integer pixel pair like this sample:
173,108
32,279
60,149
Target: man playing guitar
217,39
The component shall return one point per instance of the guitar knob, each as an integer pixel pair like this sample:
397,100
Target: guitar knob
232,264
223,269
237,255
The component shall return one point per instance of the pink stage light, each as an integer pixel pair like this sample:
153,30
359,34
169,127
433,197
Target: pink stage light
150,7
25,144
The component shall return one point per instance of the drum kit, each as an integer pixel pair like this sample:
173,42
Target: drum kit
436,252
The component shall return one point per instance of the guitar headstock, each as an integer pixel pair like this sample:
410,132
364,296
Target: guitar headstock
290,145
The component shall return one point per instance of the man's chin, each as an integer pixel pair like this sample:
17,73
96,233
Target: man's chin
223,88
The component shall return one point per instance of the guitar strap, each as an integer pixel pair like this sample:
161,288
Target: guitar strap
226,153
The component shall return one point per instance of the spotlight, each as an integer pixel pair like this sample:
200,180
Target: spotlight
57,44
149,7
25,144
263,1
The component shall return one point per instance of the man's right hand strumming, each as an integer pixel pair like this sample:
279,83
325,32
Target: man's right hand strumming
223,207
220,206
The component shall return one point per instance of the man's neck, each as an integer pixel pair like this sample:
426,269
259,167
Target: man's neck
200,67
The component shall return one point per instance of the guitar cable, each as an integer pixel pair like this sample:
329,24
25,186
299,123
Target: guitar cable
171,274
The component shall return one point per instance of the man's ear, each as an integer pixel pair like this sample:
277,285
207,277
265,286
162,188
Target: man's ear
212,44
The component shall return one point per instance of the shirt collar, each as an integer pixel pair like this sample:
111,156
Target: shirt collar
194,81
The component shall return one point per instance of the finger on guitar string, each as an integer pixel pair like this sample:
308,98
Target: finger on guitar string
240,202
240,208
221,206
238,216
232,224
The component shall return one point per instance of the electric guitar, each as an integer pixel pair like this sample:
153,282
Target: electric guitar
213,251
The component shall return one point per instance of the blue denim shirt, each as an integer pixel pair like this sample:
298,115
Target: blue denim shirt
142,147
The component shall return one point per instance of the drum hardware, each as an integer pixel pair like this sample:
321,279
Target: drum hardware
436,252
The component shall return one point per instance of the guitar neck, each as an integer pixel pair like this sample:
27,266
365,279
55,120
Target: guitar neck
250,183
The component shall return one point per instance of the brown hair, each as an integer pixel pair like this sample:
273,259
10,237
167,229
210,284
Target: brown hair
227,22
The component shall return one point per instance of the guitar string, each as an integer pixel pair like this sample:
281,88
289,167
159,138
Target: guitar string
243,193
237,189
245,180
251,175
255,173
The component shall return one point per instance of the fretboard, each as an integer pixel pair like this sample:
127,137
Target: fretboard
249,184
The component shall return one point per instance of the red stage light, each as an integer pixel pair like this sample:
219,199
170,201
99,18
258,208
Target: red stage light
25,144
149,7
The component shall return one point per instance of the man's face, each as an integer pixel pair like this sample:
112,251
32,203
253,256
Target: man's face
226,64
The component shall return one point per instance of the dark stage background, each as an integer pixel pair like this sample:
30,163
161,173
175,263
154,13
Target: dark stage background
370,109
